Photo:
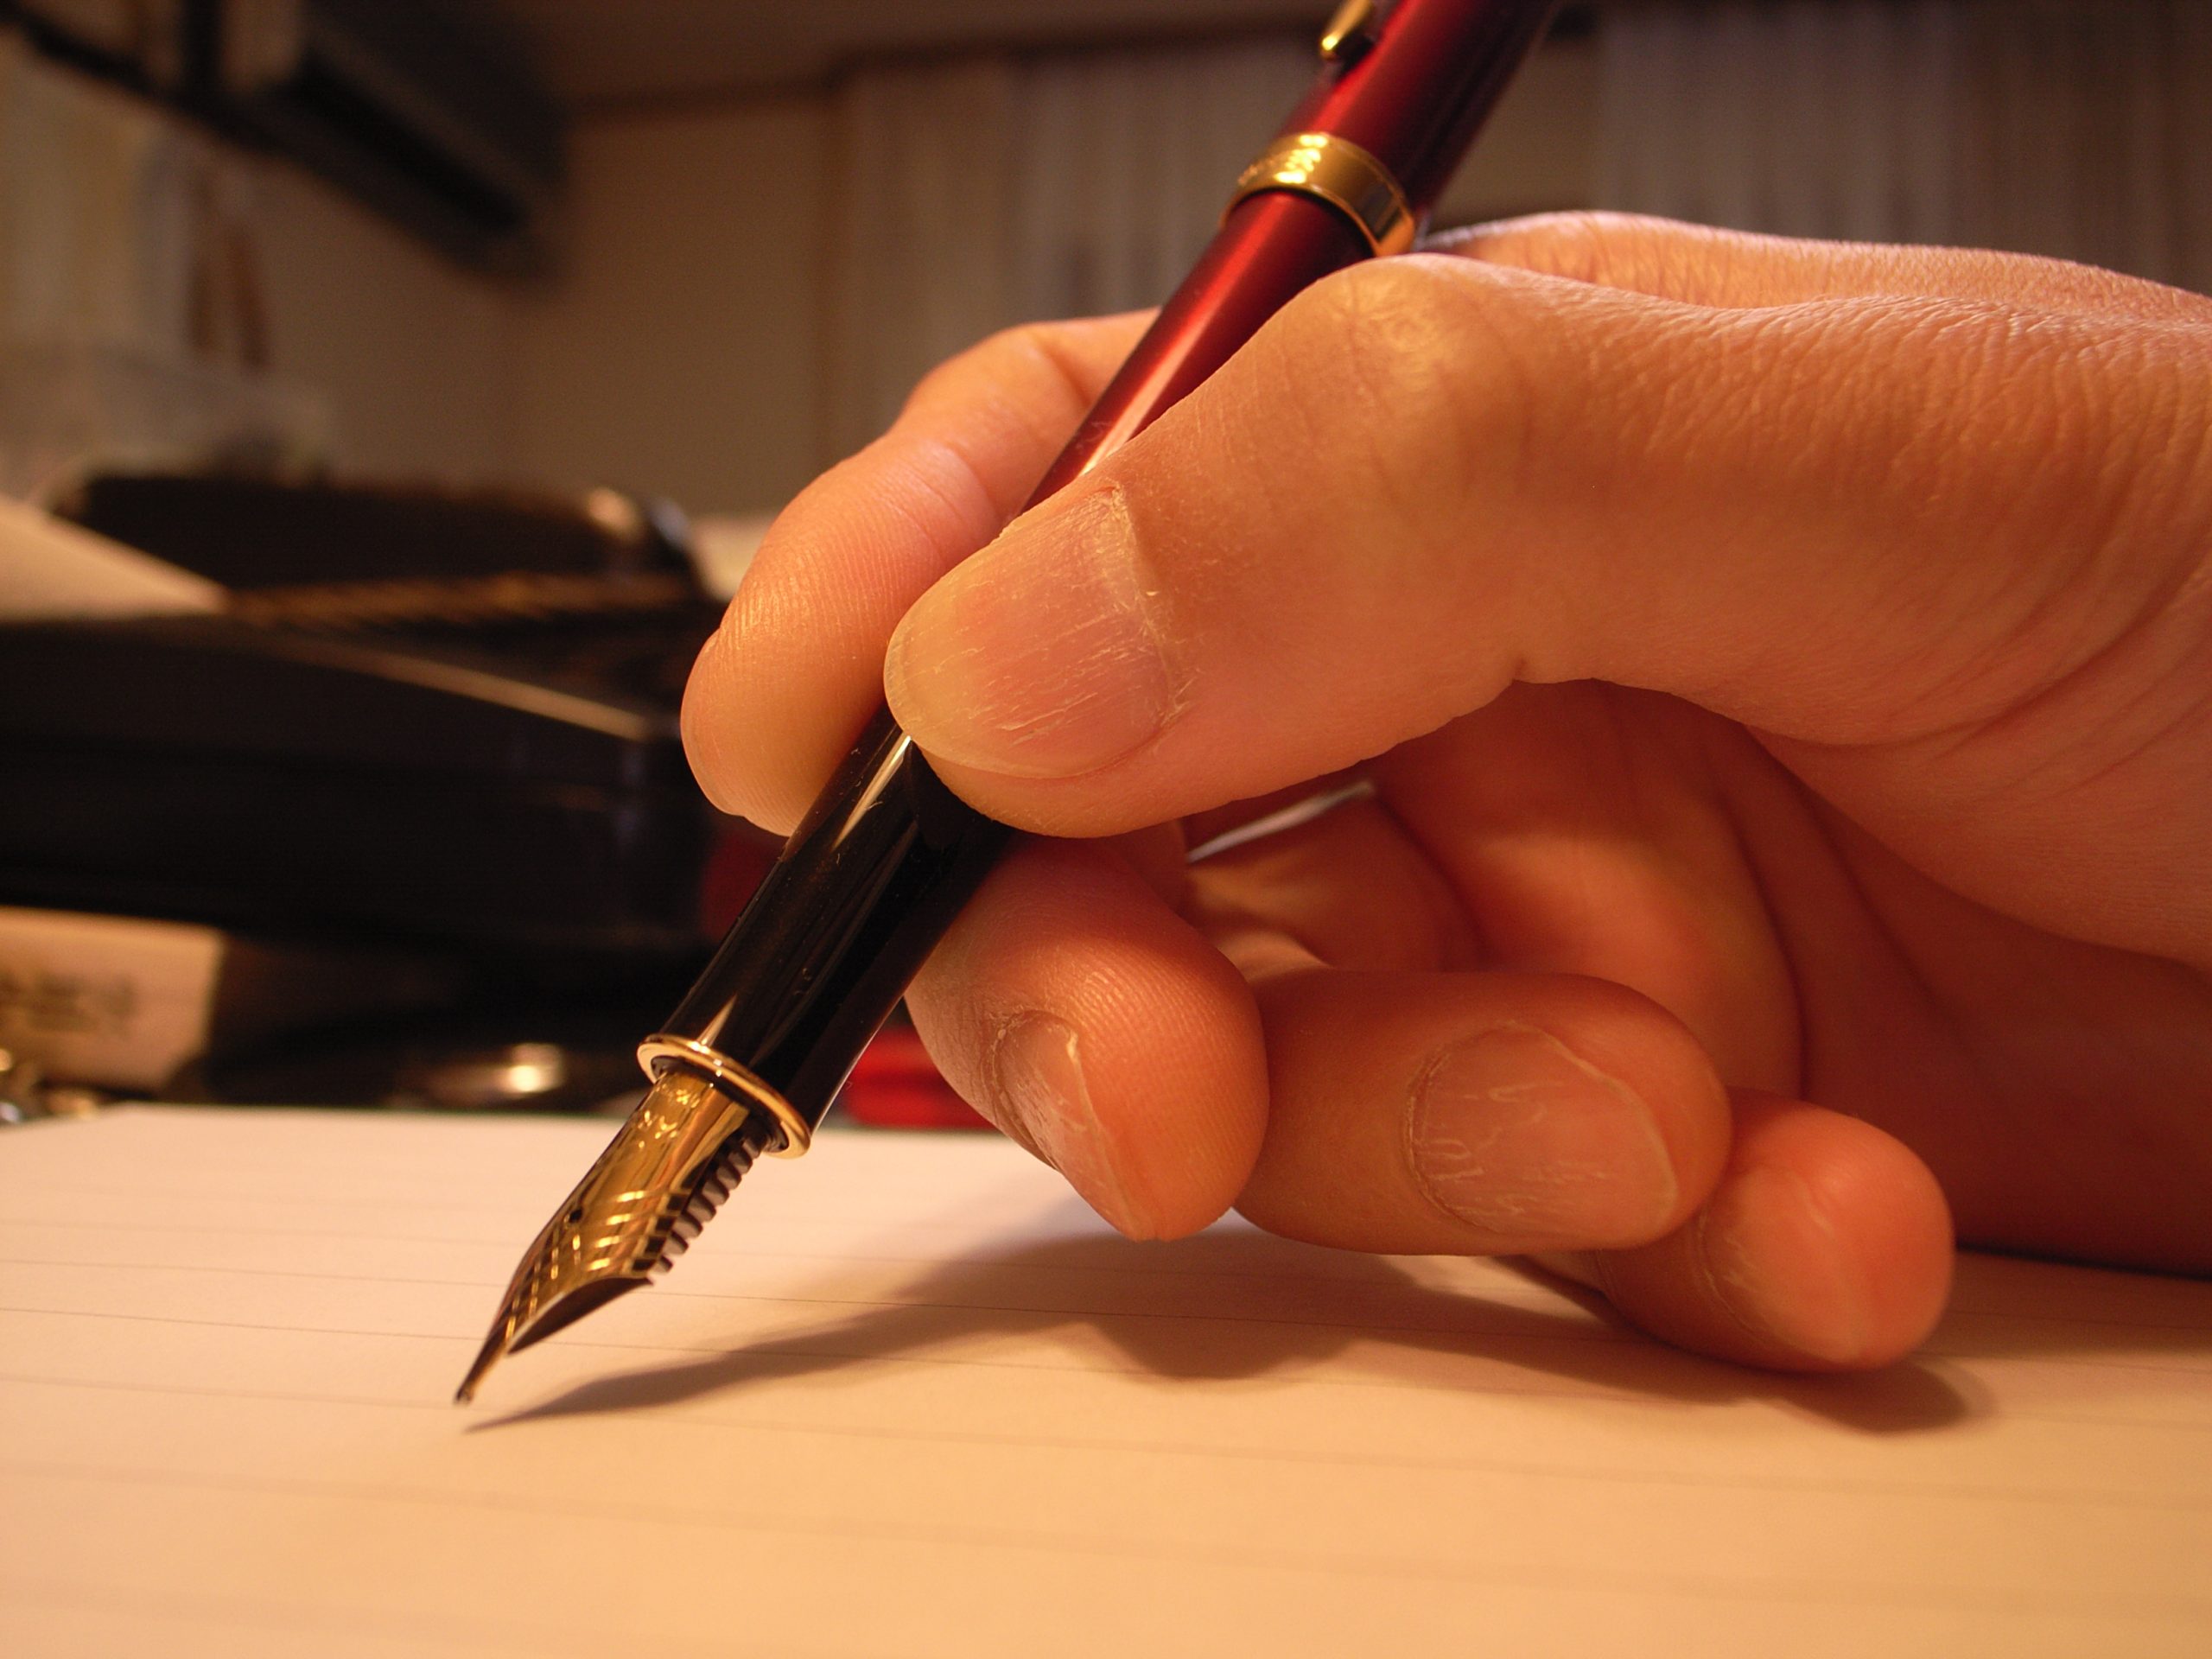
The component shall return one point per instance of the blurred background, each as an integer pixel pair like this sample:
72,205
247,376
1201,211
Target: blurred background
700,248
447,338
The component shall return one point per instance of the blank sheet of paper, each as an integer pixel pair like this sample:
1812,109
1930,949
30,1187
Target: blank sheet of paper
906,1397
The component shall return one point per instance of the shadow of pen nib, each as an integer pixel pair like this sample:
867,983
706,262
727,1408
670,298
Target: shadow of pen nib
659,1181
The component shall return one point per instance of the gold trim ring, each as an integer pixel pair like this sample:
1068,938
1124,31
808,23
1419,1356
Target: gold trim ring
661,1051
1340,172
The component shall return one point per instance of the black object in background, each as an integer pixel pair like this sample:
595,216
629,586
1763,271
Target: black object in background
434,719
430,111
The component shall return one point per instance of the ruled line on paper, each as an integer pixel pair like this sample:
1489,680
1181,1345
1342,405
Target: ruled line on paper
684,1421
869,1384
1338,1560
1593,1332
796,1358
717,1351
224,1612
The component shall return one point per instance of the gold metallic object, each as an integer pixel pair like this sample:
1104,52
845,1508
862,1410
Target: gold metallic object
661,1052
1340,172
660,1179
1346,36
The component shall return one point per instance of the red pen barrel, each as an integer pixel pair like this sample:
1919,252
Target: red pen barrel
888,856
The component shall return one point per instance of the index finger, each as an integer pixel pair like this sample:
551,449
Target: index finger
796,668
1708,265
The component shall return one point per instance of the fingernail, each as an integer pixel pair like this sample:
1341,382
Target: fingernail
1512,1132
1778,1267
1038,657
1039,1071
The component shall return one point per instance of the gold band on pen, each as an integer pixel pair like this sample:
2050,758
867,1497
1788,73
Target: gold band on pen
1340,172
657,1054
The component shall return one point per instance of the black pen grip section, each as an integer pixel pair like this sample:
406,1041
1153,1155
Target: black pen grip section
863,890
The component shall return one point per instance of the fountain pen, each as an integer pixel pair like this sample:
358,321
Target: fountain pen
750,1062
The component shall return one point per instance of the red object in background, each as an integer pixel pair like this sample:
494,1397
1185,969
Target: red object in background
897,1086
740,857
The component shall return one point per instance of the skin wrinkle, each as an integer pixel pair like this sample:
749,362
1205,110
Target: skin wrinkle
1763,402
2060,781
1824,820
2105,495
1455,931
1779,935
2092,554
1692,744
915,475
1640,374
1965,754
1503,432
2166,602
1219,894
1928,439
1898,466
1327,320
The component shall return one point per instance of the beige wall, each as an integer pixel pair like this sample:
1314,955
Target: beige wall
111,212
413,357
681,351
677,354
1540,150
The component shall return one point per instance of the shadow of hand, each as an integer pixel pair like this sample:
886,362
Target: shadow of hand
1233,1303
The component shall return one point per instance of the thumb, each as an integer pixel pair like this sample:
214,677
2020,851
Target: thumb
1845,519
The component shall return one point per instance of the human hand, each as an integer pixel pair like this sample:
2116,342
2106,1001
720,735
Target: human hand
1782,678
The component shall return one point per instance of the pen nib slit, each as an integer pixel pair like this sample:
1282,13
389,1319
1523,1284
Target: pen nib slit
668,1169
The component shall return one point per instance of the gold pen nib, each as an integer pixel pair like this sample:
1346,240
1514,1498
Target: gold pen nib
662,1177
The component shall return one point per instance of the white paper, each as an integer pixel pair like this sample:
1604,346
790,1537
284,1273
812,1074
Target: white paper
906,1398
52,569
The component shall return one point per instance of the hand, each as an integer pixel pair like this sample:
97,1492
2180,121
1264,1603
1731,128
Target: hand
1781,676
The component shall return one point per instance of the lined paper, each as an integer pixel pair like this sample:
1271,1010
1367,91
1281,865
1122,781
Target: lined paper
906,1397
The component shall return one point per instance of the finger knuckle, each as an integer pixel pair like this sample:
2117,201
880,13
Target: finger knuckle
1429,389
1585,247
1038,356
